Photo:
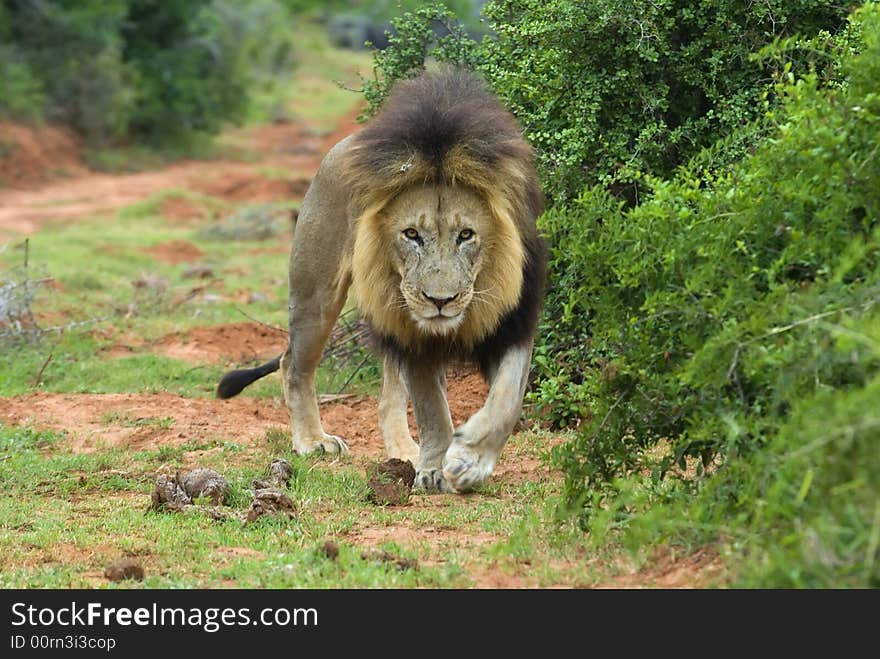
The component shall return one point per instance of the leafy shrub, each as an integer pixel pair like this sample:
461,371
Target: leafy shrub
21,92
611,88
155,71
73,50
736,321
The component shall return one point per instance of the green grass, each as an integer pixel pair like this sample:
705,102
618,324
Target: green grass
318,91
91,509
110,290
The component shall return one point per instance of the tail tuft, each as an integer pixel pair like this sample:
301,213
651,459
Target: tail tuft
234,382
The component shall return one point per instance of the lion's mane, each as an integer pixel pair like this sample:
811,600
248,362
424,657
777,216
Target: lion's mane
447,128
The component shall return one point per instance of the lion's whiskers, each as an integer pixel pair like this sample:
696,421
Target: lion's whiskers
485,296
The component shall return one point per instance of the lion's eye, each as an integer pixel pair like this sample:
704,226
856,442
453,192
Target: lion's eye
411,234
465,234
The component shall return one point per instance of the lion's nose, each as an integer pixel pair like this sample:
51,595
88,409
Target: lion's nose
439,302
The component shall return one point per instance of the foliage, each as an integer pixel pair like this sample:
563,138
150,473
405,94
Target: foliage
608,89
157,71
21,92
733,321
413,39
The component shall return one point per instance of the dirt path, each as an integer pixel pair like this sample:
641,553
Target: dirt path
46,180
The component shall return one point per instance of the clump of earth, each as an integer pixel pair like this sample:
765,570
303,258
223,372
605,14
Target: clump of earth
278,475
270,502
390,483
124,568
269,497
330,550
382,556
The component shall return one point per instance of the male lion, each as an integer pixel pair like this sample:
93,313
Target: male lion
428,214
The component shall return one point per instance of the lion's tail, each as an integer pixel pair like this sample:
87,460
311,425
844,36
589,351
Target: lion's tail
234,382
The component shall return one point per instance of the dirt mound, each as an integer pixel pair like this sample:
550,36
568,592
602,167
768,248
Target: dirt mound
246,186
182,210
175,251
126,567
233,343
33,155
389,483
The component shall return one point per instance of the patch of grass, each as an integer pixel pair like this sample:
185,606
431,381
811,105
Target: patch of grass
112,290
150,207
76,366
91,511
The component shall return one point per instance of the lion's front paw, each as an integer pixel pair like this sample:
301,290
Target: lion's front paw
430,480
466,468
327,444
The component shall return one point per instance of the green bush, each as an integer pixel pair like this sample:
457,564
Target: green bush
735,321
73,51
611,88
144,69
21,92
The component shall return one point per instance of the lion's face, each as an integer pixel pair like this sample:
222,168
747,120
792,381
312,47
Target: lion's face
436,261
436,238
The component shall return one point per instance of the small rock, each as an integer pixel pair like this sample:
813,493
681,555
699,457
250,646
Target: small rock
124,568
330,549
198,272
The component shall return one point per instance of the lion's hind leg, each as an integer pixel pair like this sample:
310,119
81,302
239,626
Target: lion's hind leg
318,287
298,366
307,432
